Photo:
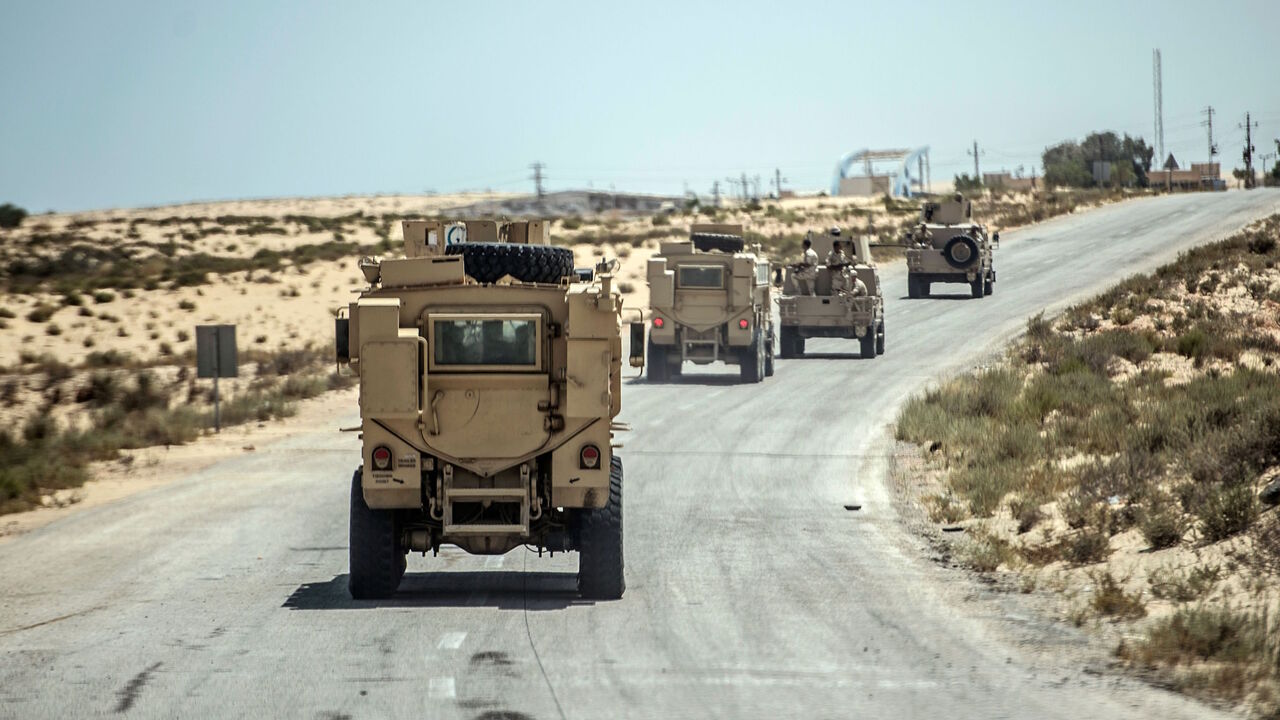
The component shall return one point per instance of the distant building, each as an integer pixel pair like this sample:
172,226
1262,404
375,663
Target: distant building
865,185
1198,176
1006,181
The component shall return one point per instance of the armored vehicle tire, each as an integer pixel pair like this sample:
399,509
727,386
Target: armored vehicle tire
768,359
658,369
880,338
913,288
600,558
786,343
961,251
751,360
706,242
490,262
377,562
868,344
977,287
990,285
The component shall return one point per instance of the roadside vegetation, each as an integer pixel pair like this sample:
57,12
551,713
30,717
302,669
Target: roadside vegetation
1127,454
64,417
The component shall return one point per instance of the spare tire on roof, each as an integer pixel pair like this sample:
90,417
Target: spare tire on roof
706,242
490,262
961,251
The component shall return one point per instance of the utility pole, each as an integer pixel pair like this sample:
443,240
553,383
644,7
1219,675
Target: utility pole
733,186
1213,149
1157,81
537,177
745,187
777,181
715,194
1248,151
977,176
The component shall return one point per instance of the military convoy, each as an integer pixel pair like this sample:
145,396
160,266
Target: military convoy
710,300
948,247
490,374
833,310
491,371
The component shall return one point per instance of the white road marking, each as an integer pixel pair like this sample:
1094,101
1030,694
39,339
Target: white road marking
494,561
442,688
451,640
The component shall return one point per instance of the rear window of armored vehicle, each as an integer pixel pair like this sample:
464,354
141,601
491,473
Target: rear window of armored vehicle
700,276
482,342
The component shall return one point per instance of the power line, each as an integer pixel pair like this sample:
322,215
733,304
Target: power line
1248,151
537,177
1213,149
1159,101
977,176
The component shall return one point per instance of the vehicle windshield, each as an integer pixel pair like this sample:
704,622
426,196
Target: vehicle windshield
701,276
486,341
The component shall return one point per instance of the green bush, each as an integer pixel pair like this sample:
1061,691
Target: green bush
11,216
1227,511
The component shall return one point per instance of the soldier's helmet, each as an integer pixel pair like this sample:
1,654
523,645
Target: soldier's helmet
835,232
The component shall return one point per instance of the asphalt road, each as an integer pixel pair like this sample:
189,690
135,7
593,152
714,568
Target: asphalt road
752,591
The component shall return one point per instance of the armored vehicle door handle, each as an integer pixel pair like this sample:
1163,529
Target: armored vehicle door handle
435,417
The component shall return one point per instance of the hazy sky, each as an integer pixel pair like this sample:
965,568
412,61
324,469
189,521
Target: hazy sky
112,104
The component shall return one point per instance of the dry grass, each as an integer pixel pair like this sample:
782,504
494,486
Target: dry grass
121,404
1137,426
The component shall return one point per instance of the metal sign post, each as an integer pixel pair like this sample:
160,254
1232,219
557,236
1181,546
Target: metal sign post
216,358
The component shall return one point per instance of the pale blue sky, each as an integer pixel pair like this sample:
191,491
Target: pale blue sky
114,104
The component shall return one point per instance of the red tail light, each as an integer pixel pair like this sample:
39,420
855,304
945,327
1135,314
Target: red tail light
743,323
590,457
381,458
657,322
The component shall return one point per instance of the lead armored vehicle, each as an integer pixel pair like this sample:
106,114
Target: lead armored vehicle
948,247
710,301
854,313
490,374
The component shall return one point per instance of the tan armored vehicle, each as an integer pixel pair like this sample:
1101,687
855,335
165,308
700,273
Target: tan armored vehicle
490,372
948,247
854,312
710,301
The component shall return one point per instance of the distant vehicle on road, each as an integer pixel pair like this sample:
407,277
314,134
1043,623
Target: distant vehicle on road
490,372
948,247
847,302
710,300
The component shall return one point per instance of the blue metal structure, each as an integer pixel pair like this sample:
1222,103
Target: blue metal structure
901,181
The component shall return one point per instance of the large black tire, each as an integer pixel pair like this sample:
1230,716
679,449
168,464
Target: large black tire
751,360
706,242
925,288
961,252
657,368
913,288
490,262
377,561
867,344
768,357
990,285
600,557
880,338
787,342
977,286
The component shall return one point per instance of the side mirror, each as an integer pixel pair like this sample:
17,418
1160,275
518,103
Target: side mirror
995,238
342,339
637,344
